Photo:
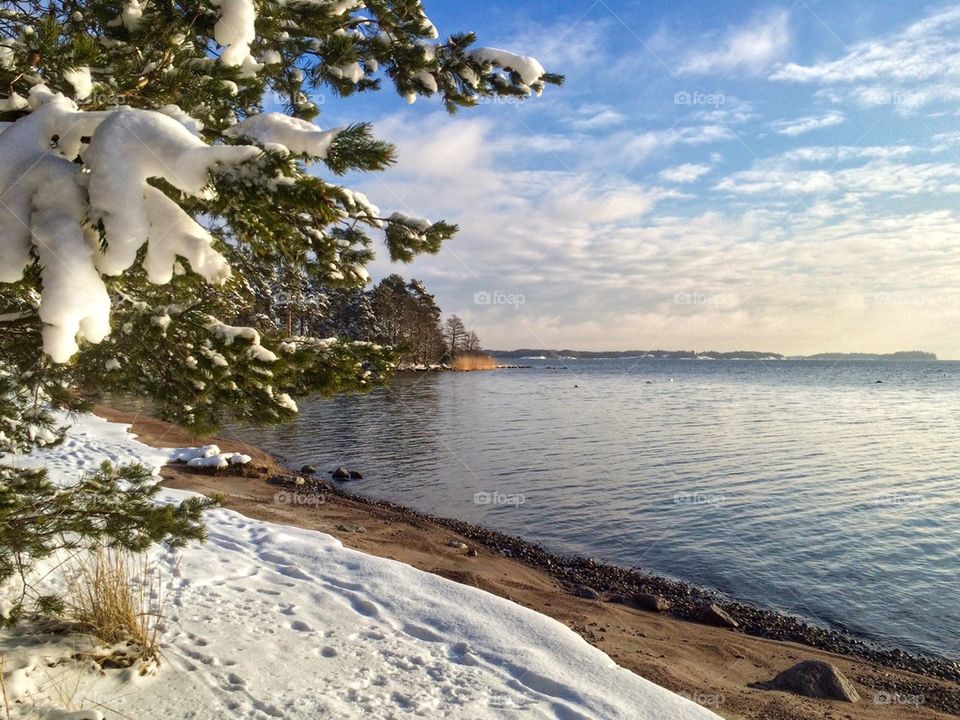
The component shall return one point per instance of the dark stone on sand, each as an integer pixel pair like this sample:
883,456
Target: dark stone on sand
649,601
471,552
308,470
816,679
713,614
587,592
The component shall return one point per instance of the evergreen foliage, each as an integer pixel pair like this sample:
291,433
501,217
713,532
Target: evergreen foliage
170,212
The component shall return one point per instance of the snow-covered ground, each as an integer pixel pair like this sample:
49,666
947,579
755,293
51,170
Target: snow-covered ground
269,621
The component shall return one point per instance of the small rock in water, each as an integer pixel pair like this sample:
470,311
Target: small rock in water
816,679
713,614
649,601
585,591
308,470
341,473
356,475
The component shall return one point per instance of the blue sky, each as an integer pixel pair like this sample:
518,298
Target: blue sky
780,177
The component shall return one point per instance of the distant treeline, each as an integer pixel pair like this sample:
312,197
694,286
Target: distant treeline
659,354
395,312
902,355
693,354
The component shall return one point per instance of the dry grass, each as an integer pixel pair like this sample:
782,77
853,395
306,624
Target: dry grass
474,362
118,598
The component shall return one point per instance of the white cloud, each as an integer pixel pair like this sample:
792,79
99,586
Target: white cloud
686,173
878,177
907,70
751,48
843,153
599,259
807,124
598,117
632,148
921,51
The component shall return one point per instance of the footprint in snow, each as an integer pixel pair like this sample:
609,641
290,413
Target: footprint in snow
294,572
364,607
235,680
421,633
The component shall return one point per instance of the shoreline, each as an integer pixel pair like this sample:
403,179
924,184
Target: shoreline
712,665
617,584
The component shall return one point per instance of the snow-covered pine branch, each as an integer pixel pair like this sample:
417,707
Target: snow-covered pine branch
168,152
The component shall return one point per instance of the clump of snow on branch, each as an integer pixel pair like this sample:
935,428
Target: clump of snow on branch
177,113
235,30
293,134
81,81
360,206
129,147
51,206
130,16
529,69
414,222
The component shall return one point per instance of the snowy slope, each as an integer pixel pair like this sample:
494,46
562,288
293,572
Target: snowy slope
270,621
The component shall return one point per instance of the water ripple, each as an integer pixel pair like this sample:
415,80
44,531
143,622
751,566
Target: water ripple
802,486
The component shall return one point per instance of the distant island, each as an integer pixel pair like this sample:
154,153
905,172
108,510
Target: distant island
532,354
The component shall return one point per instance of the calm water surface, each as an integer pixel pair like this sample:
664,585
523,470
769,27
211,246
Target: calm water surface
803,486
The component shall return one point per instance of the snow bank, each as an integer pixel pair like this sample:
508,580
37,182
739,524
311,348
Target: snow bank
273,621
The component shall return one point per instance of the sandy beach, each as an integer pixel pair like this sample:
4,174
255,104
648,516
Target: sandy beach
713,666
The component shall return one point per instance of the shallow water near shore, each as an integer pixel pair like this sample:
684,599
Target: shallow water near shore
804,486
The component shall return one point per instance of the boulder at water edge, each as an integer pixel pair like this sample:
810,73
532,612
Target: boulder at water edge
816,679
713,614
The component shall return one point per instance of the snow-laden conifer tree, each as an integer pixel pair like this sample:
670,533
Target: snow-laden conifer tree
162,161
